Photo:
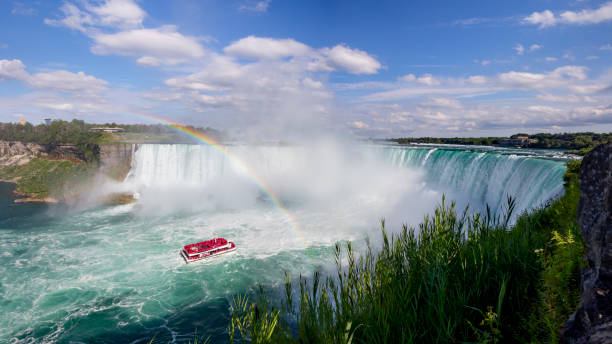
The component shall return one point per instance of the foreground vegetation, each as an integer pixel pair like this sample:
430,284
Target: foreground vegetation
575,143
457,278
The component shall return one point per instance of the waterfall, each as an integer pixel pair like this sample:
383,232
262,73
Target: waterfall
482,177
477,177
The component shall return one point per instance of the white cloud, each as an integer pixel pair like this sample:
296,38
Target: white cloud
587,16
122,14
520,50
551,59
308,82
162,96
477,79
65,81
603,13
12,69
440,102
74,18
255,6
606,47
558,78
359,125
153,46
59,80
566,98
544,19
255,48
588,89
543,108
266,87
352,60
149,61
425,79
535,47
429,80
592,57
62,106
415,92
407,78
485,62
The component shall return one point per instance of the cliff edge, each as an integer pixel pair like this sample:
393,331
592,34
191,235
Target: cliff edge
115,160
61,173
15,152
592,321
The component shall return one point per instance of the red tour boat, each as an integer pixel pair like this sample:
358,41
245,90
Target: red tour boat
206,249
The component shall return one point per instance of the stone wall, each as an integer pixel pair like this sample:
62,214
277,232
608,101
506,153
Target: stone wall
592,322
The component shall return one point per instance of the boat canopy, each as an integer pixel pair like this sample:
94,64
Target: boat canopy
205,245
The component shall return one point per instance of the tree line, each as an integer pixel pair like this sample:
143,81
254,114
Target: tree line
79,132
577,143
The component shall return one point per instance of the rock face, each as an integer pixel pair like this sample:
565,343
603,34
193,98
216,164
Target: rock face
592,322
63,151
116,159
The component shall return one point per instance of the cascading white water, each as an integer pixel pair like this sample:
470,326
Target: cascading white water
475,177
483,178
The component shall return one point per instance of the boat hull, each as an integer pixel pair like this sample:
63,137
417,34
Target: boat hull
206,255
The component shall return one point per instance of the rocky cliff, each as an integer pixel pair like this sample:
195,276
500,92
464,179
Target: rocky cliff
62,171
116,159
592,322
19,152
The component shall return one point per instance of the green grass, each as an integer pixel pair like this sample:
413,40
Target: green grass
456,278
49,178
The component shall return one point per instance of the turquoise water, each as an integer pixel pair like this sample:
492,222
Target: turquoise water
113,275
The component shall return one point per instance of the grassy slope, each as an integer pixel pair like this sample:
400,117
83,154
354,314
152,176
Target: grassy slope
463,279
43,178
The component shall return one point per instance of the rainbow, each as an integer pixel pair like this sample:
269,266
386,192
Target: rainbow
236,161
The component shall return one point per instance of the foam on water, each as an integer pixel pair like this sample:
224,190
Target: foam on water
113,274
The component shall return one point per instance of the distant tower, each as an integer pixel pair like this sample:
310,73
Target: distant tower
48,121
22,122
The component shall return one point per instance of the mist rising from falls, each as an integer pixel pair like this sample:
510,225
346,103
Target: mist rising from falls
334,191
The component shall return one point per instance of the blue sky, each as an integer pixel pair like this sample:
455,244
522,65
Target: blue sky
368,68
